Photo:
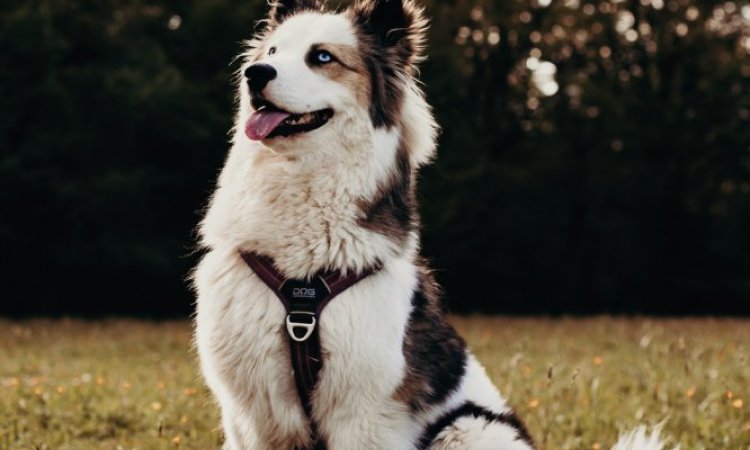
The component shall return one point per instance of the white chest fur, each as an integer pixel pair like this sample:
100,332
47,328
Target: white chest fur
245,358
303,211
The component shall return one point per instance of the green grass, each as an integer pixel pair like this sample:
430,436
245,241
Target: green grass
74,385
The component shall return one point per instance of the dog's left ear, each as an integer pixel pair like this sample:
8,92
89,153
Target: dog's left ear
281,9
397,26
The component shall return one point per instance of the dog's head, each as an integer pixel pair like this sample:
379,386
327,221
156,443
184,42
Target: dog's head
312,75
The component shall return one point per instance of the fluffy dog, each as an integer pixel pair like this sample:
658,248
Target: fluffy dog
330,131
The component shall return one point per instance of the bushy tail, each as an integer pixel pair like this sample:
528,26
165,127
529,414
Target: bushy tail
640,439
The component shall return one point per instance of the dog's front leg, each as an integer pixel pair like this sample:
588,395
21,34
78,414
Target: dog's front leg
363,336
232,439
386,426
240,433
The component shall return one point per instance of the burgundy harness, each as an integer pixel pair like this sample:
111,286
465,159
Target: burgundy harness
304,301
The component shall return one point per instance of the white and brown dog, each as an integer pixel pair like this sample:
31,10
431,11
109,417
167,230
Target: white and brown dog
330,131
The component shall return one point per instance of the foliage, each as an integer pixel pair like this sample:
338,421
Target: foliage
620,183
594,155
75,385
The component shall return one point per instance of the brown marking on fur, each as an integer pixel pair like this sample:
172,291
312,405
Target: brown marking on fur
398,27
386,88
511,418
393,212
435,354
391,36
283,9
348,68
469,409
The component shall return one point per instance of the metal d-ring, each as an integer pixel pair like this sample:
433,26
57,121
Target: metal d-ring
308,327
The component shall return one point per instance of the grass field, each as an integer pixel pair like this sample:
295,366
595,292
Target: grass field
74,385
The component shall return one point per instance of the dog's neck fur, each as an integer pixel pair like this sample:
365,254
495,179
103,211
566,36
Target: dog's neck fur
303,207
303,211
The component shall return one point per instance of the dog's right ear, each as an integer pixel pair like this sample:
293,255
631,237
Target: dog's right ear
281,9
397,27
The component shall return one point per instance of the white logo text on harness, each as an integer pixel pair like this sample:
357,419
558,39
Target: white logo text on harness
303,293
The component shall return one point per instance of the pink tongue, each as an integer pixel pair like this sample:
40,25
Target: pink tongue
262,123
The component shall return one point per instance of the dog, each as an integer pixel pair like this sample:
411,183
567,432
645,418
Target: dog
331,128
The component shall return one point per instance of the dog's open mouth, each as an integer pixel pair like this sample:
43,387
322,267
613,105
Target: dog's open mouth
268,121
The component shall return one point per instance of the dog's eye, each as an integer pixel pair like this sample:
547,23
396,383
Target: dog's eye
271,51
322,57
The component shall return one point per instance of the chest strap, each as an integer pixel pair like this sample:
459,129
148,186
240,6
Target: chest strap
303,301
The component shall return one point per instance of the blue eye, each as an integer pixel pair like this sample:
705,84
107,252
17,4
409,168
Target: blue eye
323,57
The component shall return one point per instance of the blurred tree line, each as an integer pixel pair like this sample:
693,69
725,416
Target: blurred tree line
595,156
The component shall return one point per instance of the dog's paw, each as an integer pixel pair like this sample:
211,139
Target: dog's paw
478,433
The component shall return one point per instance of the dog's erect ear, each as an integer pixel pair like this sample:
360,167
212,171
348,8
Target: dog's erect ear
281,9
397,25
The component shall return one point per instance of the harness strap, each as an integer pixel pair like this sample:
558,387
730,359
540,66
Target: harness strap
304,301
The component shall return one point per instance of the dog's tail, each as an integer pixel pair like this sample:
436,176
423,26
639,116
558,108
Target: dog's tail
640,439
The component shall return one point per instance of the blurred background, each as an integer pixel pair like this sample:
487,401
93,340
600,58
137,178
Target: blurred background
594,158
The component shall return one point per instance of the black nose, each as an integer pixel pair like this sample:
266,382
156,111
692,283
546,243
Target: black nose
258,76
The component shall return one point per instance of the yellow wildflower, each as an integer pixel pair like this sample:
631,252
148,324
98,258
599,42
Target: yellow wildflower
690,392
